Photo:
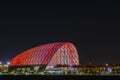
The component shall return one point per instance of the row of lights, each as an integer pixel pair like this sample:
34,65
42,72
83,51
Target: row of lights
8,63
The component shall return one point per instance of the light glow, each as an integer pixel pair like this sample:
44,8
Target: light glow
49,54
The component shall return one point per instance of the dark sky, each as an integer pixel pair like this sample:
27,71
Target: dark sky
91,26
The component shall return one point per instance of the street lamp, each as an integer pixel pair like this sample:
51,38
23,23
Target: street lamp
0,62
1,66
8,63
7,66
106,64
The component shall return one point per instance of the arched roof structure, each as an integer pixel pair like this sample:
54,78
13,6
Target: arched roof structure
49,54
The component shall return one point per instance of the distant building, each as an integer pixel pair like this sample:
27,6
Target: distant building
4,67
46,56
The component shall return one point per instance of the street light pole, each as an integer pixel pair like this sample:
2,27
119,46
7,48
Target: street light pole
0,66
8,63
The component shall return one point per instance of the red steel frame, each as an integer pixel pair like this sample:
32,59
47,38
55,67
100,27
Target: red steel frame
49,54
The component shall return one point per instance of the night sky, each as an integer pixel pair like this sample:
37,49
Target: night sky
94,28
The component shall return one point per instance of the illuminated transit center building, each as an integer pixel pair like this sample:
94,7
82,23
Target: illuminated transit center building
49,55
